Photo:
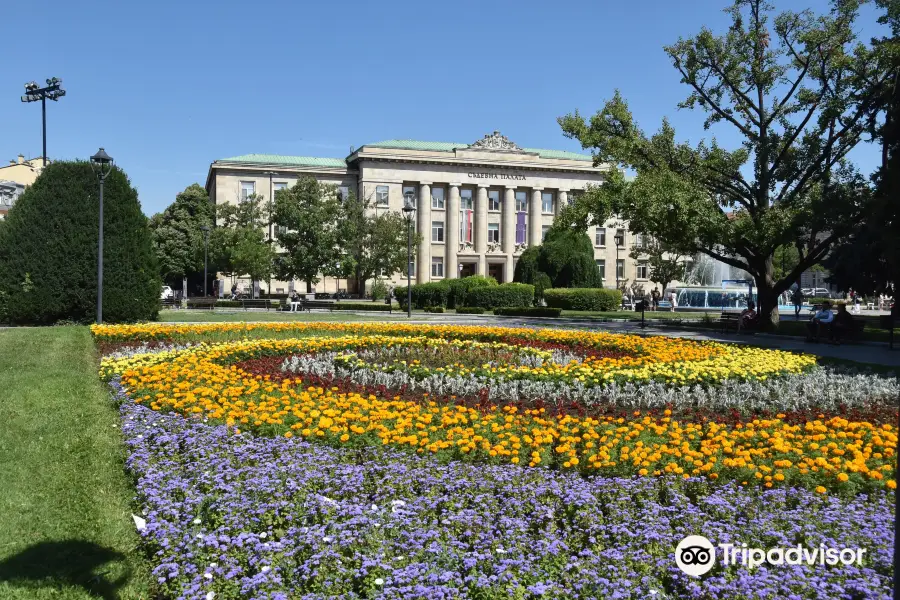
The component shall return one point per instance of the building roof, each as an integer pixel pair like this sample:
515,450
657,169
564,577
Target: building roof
451,146
288,161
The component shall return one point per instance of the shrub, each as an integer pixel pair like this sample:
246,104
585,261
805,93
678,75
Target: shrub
527,265
470,310
459,288
527,311
425,295
507,294
541,283
435,309
597,299
50,239
367,306
379,290
567,257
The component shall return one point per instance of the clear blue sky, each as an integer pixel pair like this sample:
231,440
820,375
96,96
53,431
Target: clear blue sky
167,87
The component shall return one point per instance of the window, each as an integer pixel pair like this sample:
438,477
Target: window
639,240
412,268
620,237
248,188
620,268
494,200
547,202
642,270
407,190
465,225
437,231
573,195
465,199
343,193
382,195
280,186
601,268
521,201
437,198
600,237
544,230
437,266
493,233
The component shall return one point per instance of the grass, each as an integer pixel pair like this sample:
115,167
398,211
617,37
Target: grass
634,315
871,331
65,520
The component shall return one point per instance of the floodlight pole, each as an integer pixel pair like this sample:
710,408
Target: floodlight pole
33,93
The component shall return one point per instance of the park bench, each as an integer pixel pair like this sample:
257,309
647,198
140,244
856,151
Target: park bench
838,334
171,303
202,303
308,305
730,320
259,303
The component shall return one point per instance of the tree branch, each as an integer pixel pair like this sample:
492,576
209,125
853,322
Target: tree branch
742,128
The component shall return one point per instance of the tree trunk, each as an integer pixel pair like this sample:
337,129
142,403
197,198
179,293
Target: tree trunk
767,298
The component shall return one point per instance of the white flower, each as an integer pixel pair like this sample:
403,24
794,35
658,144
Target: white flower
197,521
213,565
263,534
501,551
374,507
140,523
400,558
398,503
327,539
210,595
207,575
379,581
266,569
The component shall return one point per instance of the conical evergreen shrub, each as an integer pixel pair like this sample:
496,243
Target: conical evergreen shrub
48,250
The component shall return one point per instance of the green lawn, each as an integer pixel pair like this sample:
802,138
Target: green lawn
633,315
65,520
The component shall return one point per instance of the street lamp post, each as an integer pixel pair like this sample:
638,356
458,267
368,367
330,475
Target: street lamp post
102,164
205,230
618,239
53,91
408,209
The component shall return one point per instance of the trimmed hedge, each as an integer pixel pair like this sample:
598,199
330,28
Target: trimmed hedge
527,311
459,288
596,299
470,310
368,306
507,294
424,295
434,309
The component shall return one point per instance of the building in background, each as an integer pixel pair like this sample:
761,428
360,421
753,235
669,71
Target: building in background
478,205
13,179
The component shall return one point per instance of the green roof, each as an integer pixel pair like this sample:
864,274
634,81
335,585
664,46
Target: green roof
451,146
290,161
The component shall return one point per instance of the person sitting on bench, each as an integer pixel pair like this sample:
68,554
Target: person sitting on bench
747,319
822,319
842,324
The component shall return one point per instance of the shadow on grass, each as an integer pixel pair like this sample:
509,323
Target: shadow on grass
70,563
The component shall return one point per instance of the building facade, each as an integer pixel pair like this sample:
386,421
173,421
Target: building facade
13,179
478,206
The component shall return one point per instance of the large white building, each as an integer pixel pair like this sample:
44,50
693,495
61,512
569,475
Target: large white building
478,205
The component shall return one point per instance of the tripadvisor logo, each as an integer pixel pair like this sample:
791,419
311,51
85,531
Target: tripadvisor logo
695,555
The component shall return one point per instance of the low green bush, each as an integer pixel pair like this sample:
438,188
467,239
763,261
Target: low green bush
228,304
470,310
527,311
459,288
424,295
507,294
597,299
370,306
434,309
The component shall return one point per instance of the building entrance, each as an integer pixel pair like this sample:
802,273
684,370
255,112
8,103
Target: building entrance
496,271
466,269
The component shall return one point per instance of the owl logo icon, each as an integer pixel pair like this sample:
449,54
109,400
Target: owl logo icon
695,555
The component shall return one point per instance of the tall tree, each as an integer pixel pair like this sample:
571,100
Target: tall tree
238,245
178,239
374,242
797,92
306,216
665,263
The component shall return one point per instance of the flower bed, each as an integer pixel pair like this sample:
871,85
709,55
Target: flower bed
242,516
398,461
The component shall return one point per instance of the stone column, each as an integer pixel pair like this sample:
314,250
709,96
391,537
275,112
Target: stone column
562,198
423,209
534,217
508,230
451,233
479,222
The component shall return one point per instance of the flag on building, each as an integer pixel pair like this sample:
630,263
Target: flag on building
520,228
